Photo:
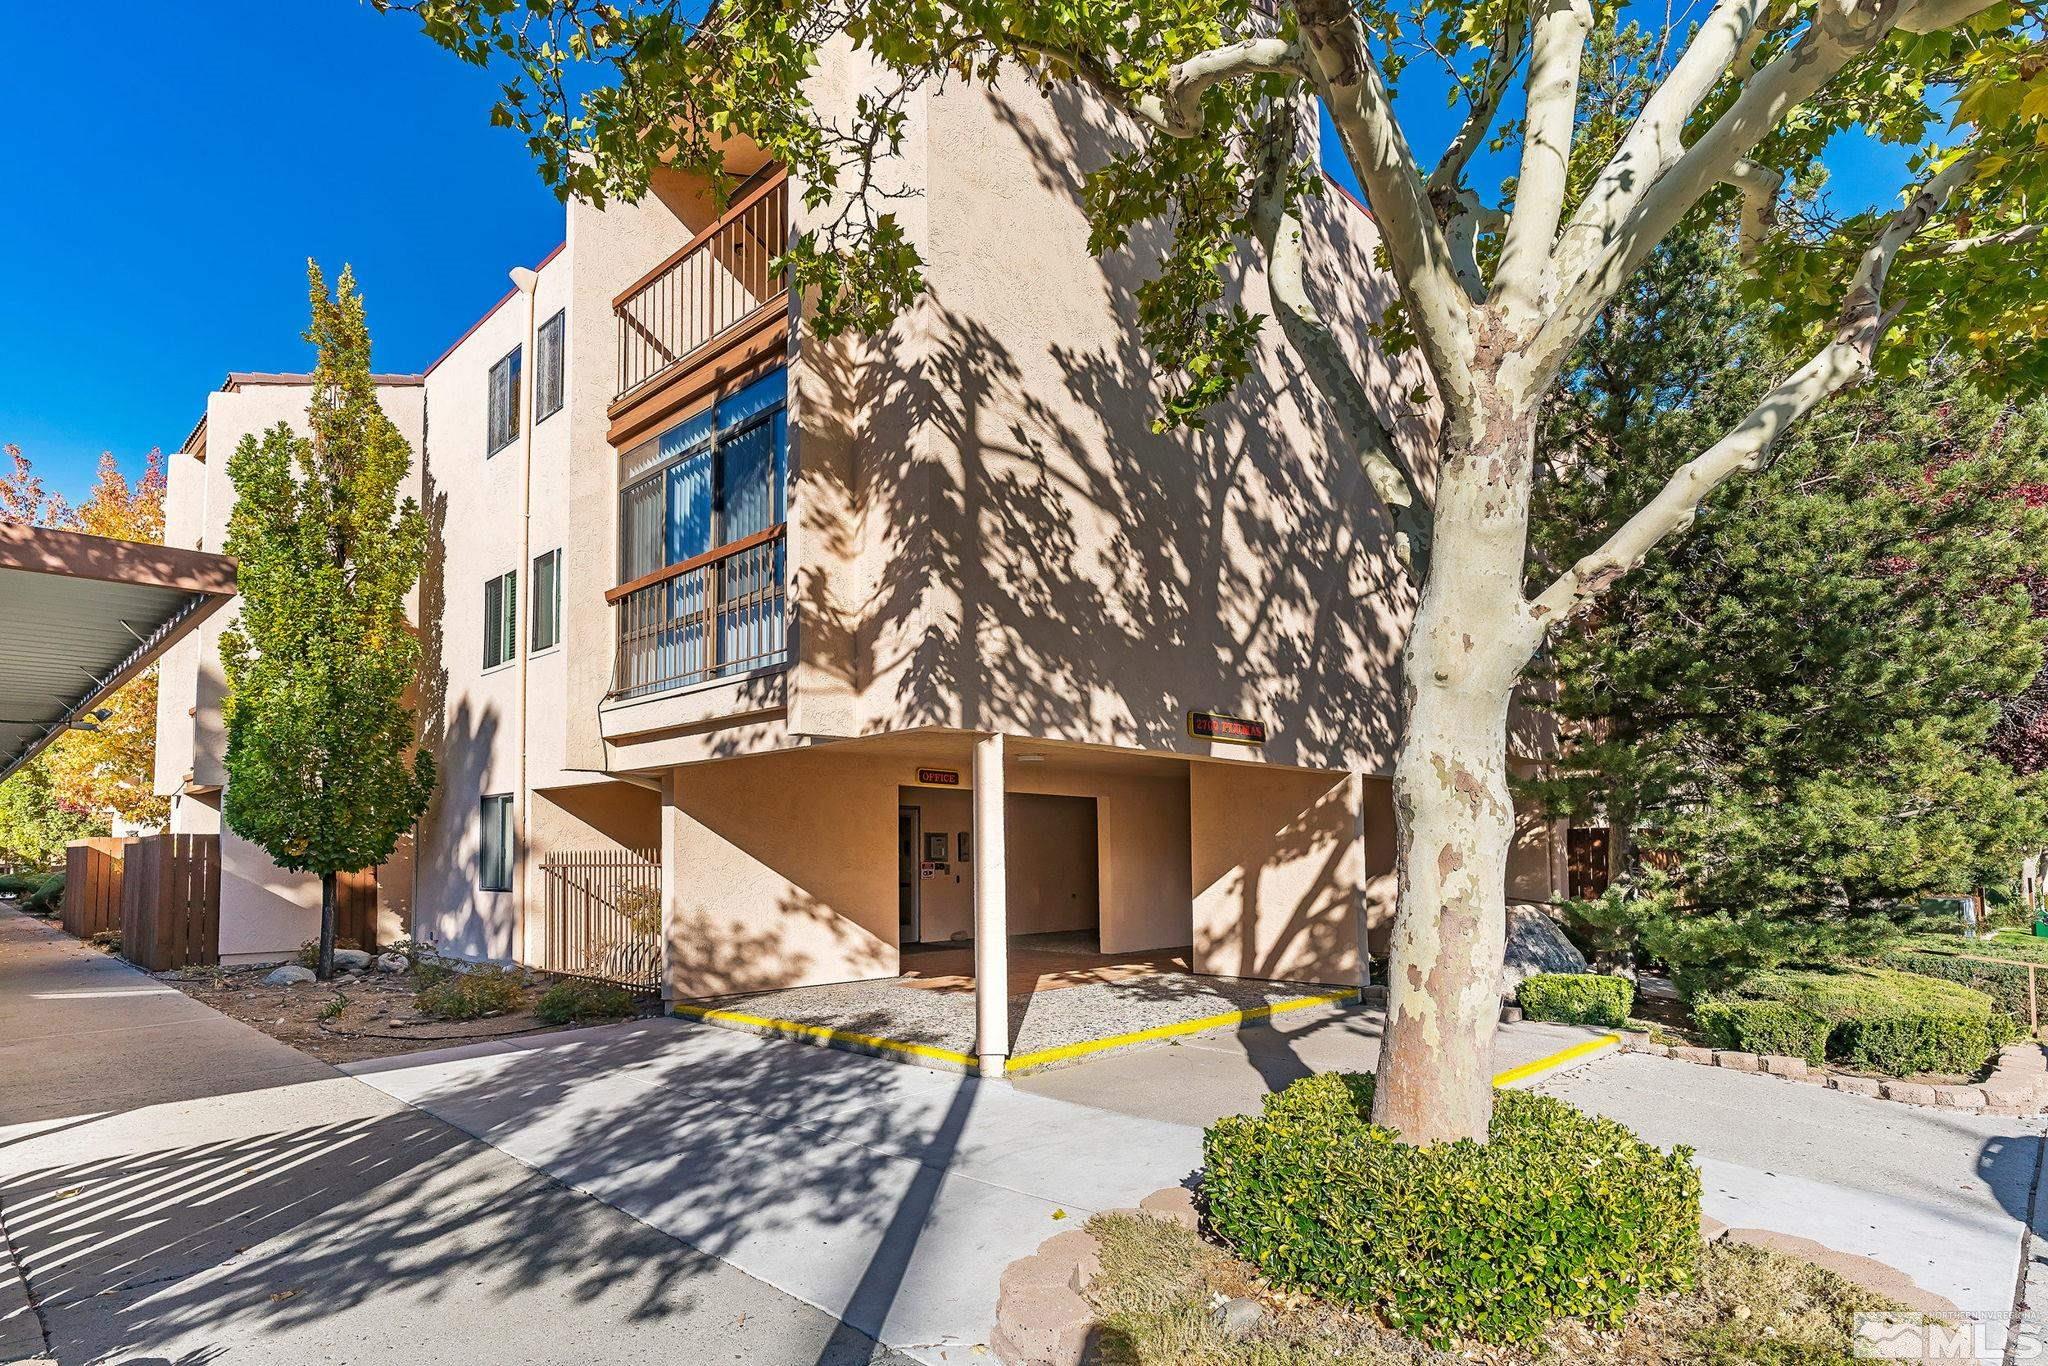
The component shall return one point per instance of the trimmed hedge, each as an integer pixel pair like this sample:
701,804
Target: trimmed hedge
574,999
1764,1027
21,884
472,995
1560,1214
47,899
2005,983
1877,1019
1586,998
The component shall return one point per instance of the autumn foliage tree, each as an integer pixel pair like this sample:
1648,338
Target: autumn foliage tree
1497,283
323,765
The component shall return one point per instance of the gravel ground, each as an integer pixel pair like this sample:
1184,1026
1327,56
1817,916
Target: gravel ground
1046,1019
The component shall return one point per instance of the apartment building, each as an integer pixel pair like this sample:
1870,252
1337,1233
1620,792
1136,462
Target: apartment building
869,644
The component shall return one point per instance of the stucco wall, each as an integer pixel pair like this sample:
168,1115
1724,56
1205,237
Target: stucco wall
1053,864
1280,872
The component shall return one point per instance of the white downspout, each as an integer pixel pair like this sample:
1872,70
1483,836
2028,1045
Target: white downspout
525,281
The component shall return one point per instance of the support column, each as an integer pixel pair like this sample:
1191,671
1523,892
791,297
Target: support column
671,877
991,910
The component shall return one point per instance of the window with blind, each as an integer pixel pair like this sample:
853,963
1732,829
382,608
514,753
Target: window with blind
544,632
494,844
710,480
503,422
550,347
501,618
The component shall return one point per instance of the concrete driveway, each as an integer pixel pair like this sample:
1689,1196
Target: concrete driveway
180,1188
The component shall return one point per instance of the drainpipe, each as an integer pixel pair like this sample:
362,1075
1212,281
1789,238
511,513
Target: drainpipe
524,281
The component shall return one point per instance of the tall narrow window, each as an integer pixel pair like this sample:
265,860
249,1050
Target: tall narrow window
549,353
501,619
545,631
494,844
503,422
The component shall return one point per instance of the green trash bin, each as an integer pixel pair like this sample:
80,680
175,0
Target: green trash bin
2041,929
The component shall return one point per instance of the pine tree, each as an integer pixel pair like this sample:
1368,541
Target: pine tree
1788,718
324,771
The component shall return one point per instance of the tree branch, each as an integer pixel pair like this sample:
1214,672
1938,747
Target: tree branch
1278,232
1759,187
1846,359
1963,246
1524,274
1177,109
1450,168
1342,67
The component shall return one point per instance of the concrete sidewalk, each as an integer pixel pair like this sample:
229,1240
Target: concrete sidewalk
180,1188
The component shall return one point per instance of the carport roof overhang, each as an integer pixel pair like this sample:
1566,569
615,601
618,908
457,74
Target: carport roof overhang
81,615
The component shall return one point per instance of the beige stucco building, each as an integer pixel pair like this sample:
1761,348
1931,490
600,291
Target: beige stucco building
801,619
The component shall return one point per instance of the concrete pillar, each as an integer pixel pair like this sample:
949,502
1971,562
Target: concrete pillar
671,877
991,910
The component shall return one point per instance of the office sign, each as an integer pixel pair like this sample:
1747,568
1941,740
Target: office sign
939,777
1234,730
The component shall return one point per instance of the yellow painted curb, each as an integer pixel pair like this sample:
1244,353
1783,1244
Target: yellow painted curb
1556,1060
1024,1061
824,1035
1027,1061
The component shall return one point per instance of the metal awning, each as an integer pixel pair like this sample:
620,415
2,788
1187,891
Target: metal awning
81,615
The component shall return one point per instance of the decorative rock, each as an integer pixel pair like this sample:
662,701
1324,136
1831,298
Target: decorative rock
1043,1325
1075,1257
1911,1092
390,962
290,975
1856,1086
1635,1042
1736,1061
351,959
1535,944
1175,1205
1959,1097
1372,996
1510,1014
1687,1053
1778,1065
1237,1319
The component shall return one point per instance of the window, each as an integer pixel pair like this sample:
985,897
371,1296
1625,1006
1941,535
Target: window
545,630
494,844
501,619
548,354
713,479
504,415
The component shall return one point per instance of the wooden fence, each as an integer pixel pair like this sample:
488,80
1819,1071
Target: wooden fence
601,912
170,901
92,886
355,908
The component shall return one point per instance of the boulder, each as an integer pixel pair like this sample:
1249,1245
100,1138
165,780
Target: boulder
391,962
1237,1319
351,960
290,975
1535,944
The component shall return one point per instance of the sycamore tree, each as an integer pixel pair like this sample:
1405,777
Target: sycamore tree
1497,284
324,771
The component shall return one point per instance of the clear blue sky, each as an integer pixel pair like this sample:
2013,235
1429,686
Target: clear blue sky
186,161
171,169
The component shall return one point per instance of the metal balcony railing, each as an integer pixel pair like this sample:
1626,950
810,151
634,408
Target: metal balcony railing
719,279
714,616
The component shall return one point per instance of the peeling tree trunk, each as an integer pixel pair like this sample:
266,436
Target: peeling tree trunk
1456,818
324,968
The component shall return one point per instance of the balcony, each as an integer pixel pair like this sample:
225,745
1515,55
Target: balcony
716,616
719,279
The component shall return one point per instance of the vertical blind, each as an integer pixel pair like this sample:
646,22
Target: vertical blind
549,357
546,630
716,477
494,844
501,618
503,421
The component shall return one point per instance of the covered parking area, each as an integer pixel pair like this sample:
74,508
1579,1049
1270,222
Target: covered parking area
997,904
82,615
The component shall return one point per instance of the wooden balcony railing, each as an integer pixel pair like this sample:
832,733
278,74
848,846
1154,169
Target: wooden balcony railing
717,280
712,616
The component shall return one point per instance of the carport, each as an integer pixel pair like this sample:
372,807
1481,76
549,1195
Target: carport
83,615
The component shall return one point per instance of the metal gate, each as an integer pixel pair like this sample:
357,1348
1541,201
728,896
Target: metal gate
601,912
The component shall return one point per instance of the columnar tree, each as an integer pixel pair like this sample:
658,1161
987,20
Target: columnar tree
323,768
1495,289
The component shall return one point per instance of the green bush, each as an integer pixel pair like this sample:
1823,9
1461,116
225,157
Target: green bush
575,999
2004,982
472,995
1560,1215
21,884
1577,998
1764,1027
47,899
1879,1019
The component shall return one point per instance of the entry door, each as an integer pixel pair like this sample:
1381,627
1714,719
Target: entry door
909,839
